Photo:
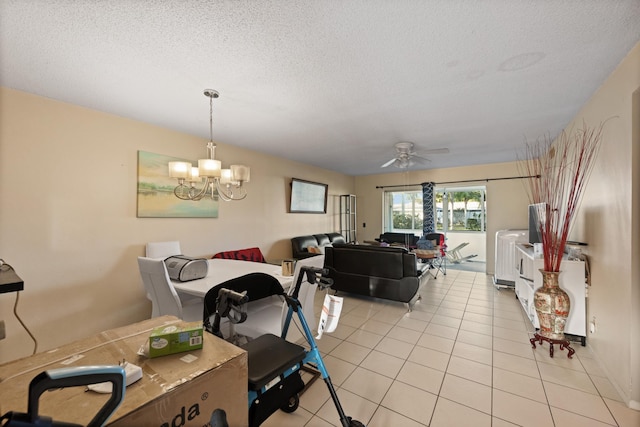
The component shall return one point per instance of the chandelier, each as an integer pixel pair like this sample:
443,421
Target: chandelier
227,184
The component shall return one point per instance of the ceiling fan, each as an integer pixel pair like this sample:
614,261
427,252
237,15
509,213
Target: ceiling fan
406,157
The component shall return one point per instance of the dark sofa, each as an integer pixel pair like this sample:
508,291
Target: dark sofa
408,240
300,245
382,272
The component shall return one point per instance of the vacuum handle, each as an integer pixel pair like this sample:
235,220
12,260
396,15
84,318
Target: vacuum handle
77,376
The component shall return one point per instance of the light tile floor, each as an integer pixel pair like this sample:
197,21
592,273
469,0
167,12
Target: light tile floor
461,358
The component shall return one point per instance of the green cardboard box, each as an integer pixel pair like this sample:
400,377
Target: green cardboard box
172,339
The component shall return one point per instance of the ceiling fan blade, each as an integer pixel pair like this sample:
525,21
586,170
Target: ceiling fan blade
420,159
436,151
407,157
389,163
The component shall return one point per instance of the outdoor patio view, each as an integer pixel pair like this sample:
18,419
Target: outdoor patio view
460,214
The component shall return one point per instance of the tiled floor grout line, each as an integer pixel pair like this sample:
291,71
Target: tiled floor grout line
599,392
493,325
493,366
438,396
444,376
493,369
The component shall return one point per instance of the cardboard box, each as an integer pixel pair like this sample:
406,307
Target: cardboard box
173,339
177,390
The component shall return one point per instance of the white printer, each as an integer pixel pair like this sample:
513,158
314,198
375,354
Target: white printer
184,268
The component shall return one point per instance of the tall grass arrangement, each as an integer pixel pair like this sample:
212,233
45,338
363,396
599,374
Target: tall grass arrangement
558,174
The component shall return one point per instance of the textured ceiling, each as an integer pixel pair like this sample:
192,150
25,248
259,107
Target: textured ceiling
330,83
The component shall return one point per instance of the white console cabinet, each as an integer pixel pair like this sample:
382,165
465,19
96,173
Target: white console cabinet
571,279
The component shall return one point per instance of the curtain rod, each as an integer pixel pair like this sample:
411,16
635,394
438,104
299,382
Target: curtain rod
461,182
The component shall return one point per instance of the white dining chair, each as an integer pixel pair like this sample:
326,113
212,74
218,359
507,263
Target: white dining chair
163,296
163,249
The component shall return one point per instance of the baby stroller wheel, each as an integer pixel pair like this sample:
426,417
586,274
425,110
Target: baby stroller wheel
292,404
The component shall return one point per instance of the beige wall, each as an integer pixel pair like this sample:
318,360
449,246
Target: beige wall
506,199
609,222
68,216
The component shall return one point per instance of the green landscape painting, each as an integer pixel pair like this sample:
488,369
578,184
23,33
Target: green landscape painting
155,191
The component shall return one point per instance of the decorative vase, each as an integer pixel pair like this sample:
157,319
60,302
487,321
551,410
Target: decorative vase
552,306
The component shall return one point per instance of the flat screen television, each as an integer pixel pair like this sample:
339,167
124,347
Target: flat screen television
308,197
537,215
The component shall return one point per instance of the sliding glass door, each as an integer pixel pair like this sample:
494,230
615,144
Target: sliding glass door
461,209
461,214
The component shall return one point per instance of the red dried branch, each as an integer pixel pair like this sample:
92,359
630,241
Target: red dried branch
563,168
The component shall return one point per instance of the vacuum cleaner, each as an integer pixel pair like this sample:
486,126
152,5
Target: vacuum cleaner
69,377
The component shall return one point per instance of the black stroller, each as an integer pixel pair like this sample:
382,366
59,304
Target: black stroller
274,363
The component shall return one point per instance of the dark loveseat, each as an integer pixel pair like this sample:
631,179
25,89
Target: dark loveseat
382,272
408,240
300,246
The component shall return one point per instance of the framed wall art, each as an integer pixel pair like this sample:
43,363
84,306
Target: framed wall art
155,191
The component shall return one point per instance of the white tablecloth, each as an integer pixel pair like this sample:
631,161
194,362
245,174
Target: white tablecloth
221,270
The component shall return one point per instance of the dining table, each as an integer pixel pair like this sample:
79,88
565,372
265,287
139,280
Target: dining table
220,270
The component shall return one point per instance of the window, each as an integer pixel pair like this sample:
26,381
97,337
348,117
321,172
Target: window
403,211
461,209
457,209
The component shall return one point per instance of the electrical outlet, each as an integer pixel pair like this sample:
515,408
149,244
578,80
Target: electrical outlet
2,331
592,325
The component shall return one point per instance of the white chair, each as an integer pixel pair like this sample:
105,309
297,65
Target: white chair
163,296
163,249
